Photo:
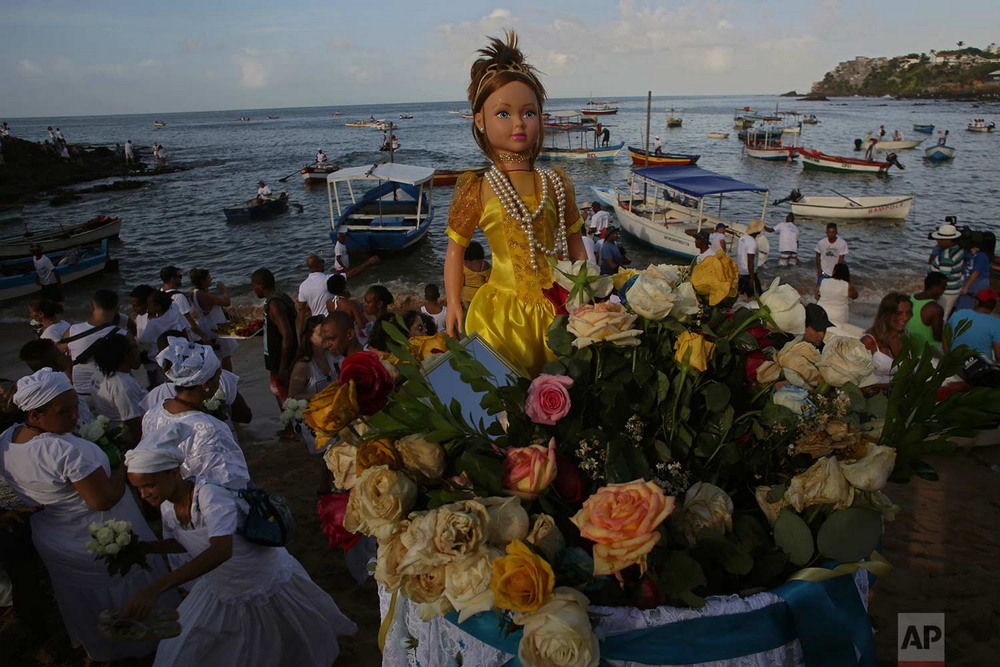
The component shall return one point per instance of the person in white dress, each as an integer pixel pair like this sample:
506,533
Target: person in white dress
835,294
209,448
206,308
117,395
46,465
251,604
43,353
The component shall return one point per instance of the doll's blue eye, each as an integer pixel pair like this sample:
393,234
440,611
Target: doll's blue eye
503,114
529,114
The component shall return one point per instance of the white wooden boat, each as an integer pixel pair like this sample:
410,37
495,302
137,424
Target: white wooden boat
774,153
94,230
981,128
17,276
317,173
791,130
889,145
813,159
581,139
854,208
654,216
939,153
718,135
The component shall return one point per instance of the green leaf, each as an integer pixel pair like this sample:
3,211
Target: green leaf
724,551
485,470
792,534
717,396
560,340
625,462
850,534
681,575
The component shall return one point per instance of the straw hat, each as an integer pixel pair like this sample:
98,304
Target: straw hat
946,232
755,226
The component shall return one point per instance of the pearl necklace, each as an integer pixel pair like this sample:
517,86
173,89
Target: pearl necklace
514,206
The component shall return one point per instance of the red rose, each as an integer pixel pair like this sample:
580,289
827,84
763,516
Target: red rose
763,336
558,295
753,362
331,508
568,482
647,594
371,380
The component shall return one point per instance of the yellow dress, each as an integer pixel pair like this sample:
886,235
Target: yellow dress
509,311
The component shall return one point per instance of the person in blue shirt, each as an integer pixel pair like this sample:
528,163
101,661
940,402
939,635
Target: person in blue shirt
983,332
611,255
977,277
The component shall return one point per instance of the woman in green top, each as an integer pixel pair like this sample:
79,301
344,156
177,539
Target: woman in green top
927,322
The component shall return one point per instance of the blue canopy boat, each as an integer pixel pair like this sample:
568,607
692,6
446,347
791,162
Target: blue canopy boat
17,276
391,216
254,209
665,206
926,129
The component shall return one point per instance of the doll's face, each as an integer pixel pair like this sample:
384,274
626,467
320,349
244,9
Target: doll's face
510,118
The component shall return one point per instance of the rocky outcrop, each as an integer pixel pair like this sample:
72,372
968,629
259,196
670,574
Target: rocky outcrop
848,78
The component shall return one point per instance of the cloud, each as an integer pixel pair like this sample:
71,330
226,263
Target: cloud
25,66
253,71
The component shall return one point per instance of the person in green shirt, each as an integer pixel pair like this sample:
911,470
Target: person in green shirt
927,322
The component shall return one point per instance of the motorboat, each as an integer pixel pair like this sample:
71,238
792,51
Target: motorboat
894,207
893,145
939,153
255,209
674,118
640,158
18,277
980,127
93,231
814,159
317,173
581,139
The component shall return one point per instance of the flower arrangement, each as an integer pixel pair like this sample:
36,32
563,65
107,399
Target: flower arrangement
674,450
115,542
107,437
217,406
292,411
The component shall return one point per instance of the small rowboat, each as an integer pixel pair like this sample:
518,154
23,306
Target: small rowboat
252,209
159,123
17,276
405,116
10,213
854,208
811,119
273,117
889,145
450,176
926,129
317,173
662,160
939,153
93,231
981,128
718,135
813,159
468,115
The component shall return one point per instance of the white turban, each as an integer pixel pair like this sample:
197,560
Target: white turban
37,389
157,451
191,364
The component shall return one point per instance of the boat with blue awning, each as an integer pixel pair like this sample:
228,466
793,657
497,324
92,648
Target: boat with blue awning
665,207
393,214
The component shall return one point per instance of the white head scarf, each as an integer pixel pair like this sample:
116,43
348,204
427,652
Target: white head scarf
39,388
191,364
157,451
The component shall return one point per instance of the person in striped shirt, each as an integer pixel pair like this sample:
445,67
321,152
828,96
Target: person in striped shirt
948,257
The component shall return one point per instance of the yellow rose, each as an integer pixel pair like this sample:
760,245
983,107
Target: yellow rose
508,520
715,277
823,483
697,346
422,458
705,506
341,461
545,536
378,501
559,633
443,535
623,276
870,472
422,347
622,521
467,584
798,362
331,410
521,580
391,551
377,453
603,323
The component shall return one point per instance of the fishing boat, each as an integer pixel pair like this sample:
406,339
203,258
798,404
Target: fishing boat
600,108
450,176
639,159
159,123
371,122
939,153
254,209
93,231
391,216
455,111
468,114
317,173
17,276
976,127
926,129
814,159
581,139
674,118
405,116
652,212
810,119
273,117
770,148
891,145
10,213
243,119
718,135
854,208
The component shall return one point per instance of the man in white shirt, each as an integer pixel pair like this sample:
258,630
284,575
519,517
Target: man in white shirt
129,155
588,245
703,246
657,146
717,240
47,277
313,294
788,241
600,219
341,260
263,192
320,157
172,279
829,252
746,260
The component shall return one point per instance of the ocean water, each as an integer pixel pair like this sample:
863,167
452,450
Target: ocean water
179,220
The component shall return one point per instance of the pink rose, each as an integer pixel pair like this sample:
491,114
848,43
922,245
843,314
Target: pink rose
527,471
548,399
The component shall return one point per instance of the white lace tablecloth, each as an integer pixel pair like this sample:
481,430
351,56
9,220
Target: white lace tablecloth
439,640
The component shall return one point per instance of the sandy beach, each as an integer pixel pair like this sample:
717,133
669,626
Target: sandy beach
943,543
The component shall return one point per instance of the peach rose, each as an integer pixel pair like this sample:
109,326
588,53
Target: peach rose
603,323
548,399
521,580
527,471
622,521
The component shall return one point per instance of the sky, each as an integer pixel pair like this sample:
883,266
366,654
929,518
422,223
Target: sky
109,57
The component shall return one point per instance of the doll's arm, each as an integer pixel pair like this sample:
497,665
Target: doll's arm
453,281
576,248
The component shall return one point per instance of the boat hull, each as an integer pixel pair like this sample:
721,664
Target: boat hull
783,154
925,129
316,174
582,154
817,160
718,135
979,128
872,208
895,145
674,123
72,237
248,211
92,260
638,157
10,213
939,153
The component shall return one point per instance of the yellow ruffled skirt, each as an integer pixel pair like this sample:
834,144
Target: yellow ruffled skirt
516,327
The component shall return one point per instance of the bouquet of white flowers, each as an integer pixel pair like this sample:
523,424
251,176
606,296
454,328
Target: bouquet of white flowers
217,406
292,411
101,433
115,542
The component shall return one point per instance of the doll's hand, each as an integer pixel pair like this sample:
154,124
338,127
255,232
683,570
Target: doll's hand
453,321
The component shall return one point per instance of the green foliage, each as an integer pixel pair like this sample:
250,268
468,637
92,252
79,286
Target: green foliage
850,534
793,535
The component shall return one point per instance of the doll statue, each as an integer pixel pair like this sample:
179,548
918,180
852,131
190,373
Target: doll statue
528,214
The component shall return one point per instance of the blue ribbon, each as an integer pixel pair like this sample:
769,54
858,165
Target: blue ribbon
827,617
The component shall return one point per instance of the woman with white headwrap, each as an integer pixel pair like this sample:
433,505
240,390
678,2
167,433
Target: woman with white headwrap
71,479
208,445
250,605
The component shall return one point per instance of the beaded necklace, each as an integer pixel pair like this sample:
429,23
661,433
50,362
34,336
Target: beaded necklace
514,206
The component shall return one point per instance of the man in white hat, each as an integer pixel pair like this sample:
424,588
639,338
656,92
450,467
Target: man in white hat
746,260
948,258
657,146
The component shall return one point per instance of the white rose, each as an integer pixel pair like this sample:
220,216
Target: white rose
391,551
101,550
705,506
669,272
686,304
798,362
787,311
123,539
93,528
558,634
91,546
123,526
380,498
546,536
105,536
846,360
467,584
112,549
823,483
871,471
423,458
508,520
341,461
564,273
443,535
651,297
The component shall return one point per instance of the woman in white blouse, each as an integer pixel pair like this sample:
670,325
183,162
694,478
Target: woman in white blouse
117,395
